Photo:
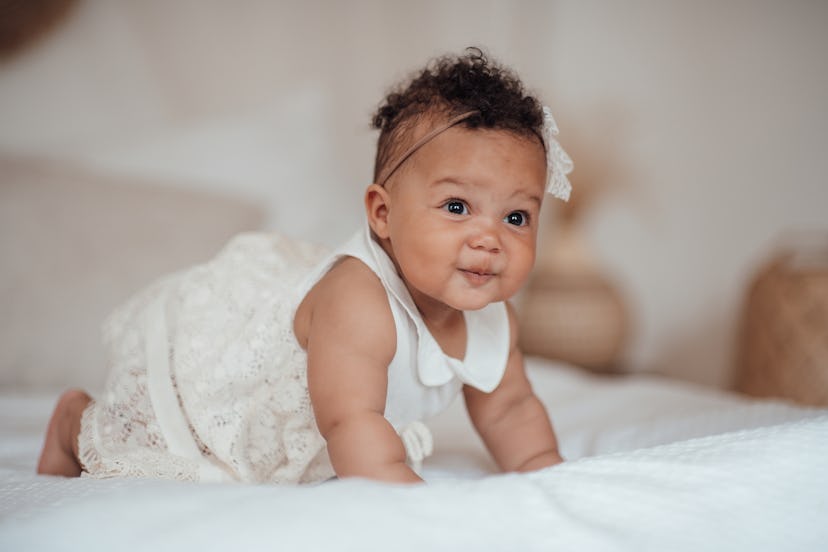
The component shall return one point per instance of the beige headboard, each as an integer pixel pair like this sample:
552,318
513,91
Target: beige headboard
74,244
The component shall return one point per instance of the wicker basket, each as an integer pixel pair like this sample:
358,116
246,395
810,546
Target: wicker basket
784,342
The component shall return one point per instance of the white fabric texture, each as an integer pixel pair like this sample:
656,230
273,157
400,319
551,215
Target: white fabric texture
760,489
208,382
558,162
748,489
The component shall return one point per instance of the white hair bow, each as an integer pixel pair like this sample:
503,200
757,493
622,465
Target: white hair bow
558,163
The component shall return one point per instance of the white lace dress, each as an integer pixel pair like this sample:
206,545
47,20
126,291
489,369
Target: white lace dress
208,383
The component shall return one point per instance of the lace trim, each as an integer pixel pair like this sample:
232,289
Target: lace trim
87,443
140,463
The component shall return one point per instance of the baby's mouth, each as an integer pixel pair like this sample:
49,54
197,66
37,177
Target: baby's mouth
476,276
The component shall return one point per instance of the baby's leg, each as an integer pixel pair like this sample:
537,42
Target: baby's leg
60,450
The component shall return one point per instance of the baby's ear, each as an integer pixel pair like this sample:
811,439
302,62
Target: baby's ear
377,204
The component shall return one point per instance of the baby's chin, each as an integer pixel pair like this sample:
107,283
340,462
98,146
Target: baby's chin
474,303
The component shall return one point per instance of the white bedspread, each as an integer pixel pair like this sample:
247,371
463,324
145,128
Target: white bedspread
764,488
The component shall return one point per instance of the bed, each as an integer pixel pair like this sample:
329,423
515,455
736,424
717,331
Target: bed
651,463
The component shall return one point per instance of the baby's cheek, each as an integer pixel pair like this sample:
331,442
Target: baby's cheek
522,264
523,254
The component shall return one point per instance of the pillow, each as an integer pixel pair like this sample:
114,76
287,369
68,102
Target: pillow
74,243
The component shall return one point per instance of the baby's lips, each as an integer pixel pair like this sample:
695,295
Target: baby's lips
479,271
482,269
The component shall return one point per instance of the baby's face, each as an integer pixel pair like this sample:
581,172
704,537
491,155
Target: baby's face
463,216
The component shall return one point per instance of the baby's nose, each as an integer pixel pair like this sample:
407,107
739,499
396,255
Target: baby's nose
485,237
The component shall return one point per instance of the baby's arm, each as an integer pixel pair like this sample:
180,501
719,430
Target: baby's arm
511,419
351,342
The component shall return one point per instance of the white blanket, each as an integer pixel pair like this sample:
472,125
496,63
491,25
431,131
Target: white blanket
754,489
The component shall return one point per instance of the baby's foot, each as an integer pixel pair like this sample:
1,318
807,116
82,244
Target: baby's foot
60,456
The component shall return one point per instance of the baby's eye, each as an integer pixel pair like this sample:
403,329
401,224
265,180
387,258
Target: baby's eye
456,207
517,218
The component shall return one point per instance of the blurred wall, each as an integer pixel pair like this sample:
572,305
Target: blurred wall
706,123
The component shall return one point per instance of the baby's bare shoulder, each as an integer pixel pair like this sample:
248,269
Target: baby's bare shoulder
350,303
348,278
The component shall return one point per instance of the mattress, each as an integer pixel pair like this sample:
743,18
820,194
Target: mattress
650,463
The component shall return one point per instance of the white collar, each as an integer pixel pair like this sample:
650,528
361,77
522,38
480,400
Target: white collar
487,330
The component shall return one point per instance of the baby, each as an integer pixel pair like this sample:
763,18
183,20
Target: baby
279,362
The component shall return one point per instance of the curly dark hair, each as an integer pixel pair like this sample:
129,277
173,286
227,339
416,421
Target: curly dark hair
451,85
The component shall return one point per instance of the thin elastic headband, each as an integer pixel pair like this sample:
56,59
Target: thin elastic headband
558,163
421,142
